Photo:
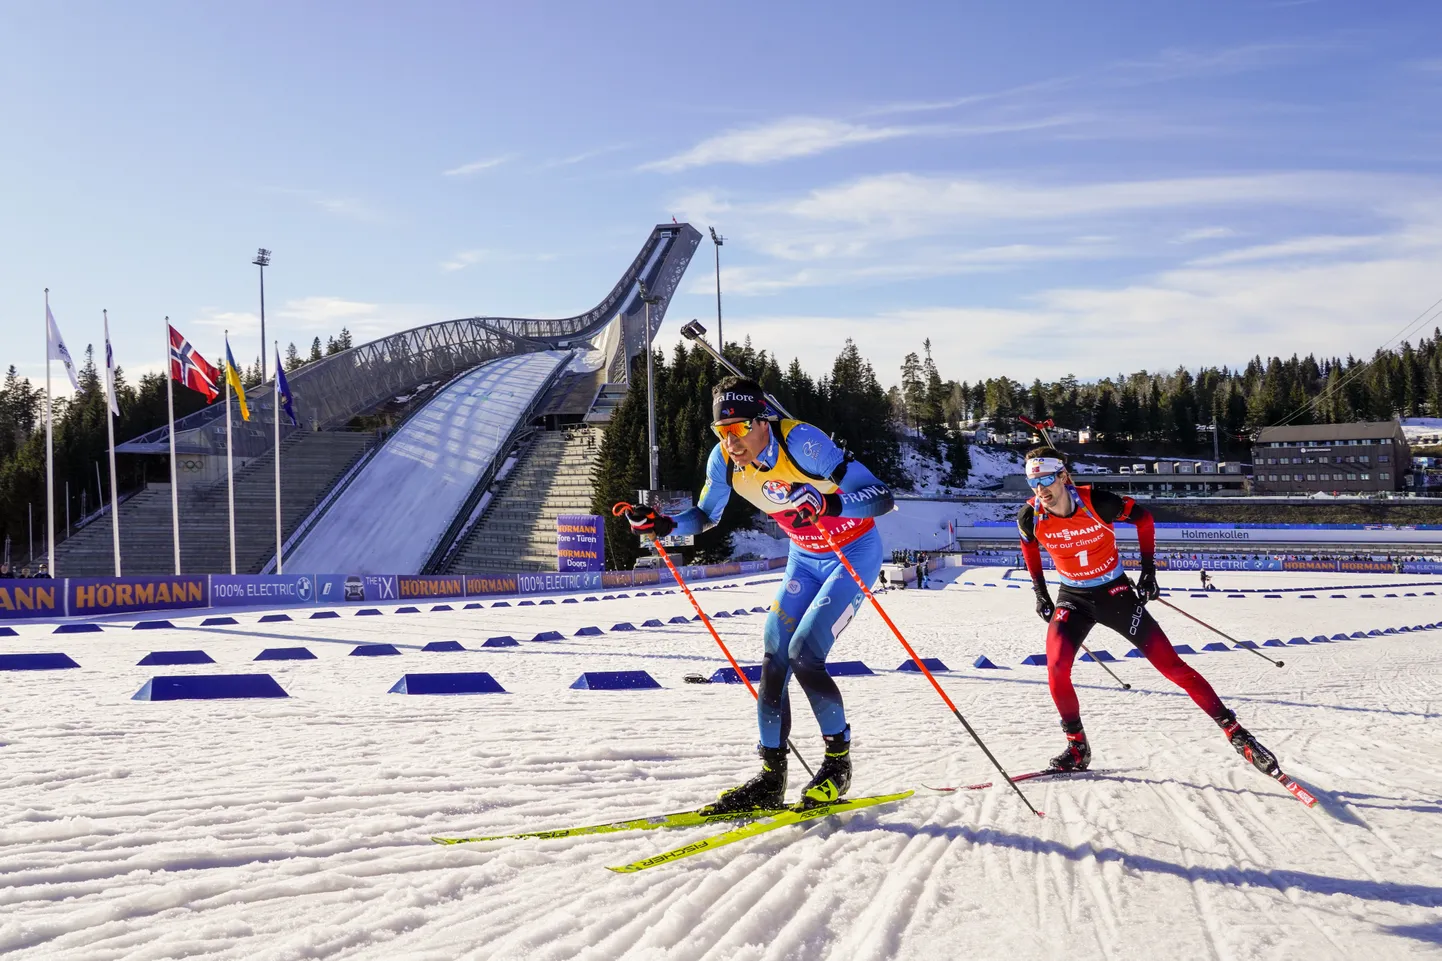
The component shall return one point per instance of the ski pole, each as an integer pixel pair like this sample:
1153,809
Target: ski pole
836,548
620,509
1124,684
1229,637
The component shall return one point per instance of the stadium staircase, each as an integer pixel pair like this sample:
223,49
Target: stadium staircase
517,531
310,463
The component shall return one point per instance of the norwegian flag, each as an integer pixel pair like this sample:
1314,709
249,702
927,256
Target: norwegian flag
191,369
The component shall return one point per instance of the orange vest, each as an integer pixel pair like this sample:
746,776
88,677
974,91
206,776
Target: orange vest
1083,546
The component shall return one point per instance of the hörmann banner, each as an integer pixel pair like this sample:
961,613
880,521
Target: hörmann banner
580,543
121,595
422,587
478,585
31,598
238,590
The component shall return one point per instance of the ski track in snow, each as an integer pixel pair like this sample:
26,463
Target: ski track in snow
299,829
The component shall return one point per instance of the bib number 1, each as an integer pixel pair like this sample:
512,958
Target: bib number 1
1082,559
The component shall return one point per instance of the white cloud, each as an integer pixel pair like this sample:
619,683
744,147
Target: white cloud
475,167
839,264
910,200
794,137
777,140
464,259
587,155
327,312
1190,317
1204,233
1289,249
232,320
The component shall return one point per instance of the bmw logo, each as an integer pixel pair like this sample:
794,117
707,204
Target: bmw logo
776,491
302,588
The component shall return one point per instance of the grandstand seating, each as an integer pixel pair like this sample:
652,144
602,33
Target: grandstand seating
517,532
310,463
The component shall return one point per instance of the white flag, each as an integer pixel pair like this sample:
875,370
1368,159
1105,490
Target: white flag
110,372
58,350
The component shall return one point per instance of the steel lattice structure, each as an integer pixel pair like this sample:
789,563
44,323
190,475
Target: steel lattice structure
331,391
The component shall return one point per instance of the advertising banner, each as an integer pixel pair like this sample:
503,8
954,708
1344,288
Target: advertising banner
342,588
543,583
1260,535
580,543
422,587
1316,565
236,590
478,585
1422,567
31,598
1366,567
1183,562
120,595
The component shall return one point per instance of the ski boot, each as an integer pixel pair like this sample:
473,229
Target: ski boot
764,792
1078,753
833,777
1248,746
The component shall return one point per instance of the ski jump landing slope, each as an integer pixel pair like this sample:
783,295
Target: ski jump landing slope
394,513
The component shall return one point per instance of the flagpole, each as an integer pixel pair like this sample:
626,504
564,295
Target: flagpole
275,406
229,458
49,448
174,480
110,434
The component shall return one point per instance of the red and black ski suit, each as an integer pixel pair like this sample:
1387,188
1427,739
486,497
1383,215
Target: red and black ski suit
1095,590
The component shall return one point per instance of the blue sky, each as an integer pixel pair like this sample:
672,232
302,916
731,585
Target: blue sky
1039,188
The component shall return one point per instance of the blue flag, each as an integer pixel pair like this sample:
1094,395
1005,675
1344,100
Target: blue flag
282,390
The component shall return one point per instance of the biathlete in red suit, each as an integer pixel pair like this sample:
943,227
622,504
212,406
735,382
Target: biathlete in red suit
1074,524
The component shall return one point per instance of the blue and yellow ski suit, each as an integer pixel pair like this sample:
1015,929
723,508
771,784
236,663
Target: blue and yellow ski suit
818,597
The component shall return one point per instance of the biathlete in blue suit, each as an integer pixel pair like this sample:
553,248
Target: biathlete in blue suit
807,484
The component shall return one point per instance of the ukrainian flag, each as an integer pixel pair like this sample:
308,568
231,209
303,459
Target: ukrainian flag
232,377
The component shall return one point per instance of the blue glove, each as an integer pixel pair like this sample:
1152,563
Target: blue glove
806,504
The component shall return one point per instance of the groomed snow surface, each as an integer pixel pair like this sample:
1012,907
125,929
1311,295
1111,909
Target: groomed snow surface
298,828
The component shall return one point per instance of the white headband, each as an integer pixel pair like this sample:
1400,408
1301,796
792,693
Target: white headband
1040,466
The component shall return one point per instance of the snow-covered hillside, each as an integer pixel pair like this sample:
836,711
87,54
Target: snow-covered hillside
1422,430
988,466
298,828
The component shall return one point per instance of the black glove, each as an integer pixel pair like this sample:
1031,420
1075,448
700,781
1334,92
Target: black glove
1147,587
1044,607
644,520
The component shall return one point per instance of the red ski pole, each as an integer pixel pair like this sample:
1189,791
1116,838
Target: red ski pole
918,662
622,508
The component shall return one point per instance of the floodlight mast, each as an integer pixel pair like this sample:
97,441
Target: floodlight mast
262,260
718,240
653,451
